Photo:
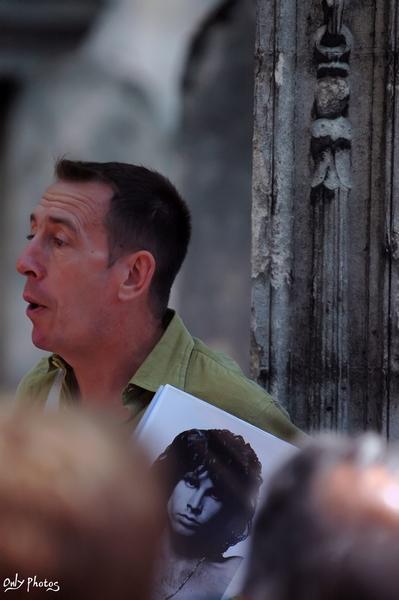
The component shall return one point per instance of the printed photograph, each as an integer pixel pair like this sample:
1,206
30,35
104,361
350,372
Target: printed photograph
214,469
214,478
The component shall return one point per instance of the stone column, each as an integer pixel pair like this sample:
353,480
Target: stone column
331,137
325,327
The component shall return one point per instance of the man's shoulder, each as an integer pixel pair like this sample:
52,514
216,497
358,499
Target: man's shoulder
220,372
217,359
216,378
33,388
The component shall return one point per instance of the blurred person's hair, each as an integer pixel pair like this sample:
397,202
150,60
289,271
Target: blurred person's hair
234,470
329,529
146,213
77,509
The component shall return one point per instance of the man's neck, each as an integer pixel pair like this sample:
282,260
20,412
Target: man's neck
104,372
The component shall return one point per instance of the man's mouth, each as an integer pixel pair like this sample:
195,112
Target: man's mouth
187,521
33,306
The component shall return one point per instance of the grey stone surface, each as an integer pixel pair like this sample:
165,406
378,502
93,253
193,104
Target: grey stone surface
32,33
215,155
325,340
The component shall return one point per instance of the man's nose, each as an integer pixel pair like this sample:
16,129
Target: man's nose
196,502
29,263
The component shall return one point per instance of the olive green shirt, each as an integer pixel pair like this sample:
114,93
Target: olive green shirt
180,360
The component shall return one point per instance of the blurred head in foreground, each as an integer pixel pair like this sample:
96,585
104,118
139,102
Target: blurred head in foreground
78,513
330,527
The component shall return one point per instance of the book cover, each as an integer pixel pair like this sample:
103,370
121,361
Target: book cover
216,468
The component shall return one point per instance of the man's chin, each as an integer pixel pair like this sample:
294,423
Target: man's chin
41,342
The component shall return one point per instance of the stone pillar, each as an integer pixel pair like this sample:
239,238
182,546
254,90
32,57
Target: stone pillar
215,147
331,136
325,302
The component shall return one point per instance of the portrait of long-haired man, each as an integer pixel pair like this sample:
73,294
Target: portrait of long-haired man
212,479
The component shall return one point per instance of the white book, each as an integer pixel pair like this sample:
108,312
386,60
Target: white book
219,468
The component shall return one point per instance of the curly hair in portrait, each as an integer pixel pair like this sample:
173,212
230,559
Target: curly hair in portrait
235,472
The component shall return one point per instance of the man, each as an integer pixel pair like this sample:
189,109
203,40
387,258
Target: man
106,242
329,529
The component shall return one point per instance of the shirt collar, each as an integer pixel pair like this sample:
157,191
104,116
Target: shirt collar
56,362
166,363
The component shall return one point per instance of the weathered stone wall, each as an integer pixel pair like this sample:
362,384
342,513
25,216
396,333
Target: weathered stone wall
215,149
325,302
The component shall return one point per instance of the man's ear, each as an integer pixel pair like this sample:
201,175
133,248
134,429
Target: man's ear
137,272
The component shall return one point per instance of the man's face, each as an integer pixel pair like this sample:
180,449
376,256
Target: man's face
68,283
193,503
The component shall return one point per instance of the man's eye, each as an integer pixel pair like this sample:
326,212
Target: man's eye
191,481
58,241
30,236
214,495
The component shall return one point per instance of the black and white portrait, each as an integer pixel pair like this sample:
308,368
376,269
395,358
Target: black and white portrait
212,479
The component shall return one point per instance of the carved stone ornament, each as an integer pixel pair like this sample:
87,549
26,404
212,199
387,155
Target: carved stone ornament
333,15
331,143
331,131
